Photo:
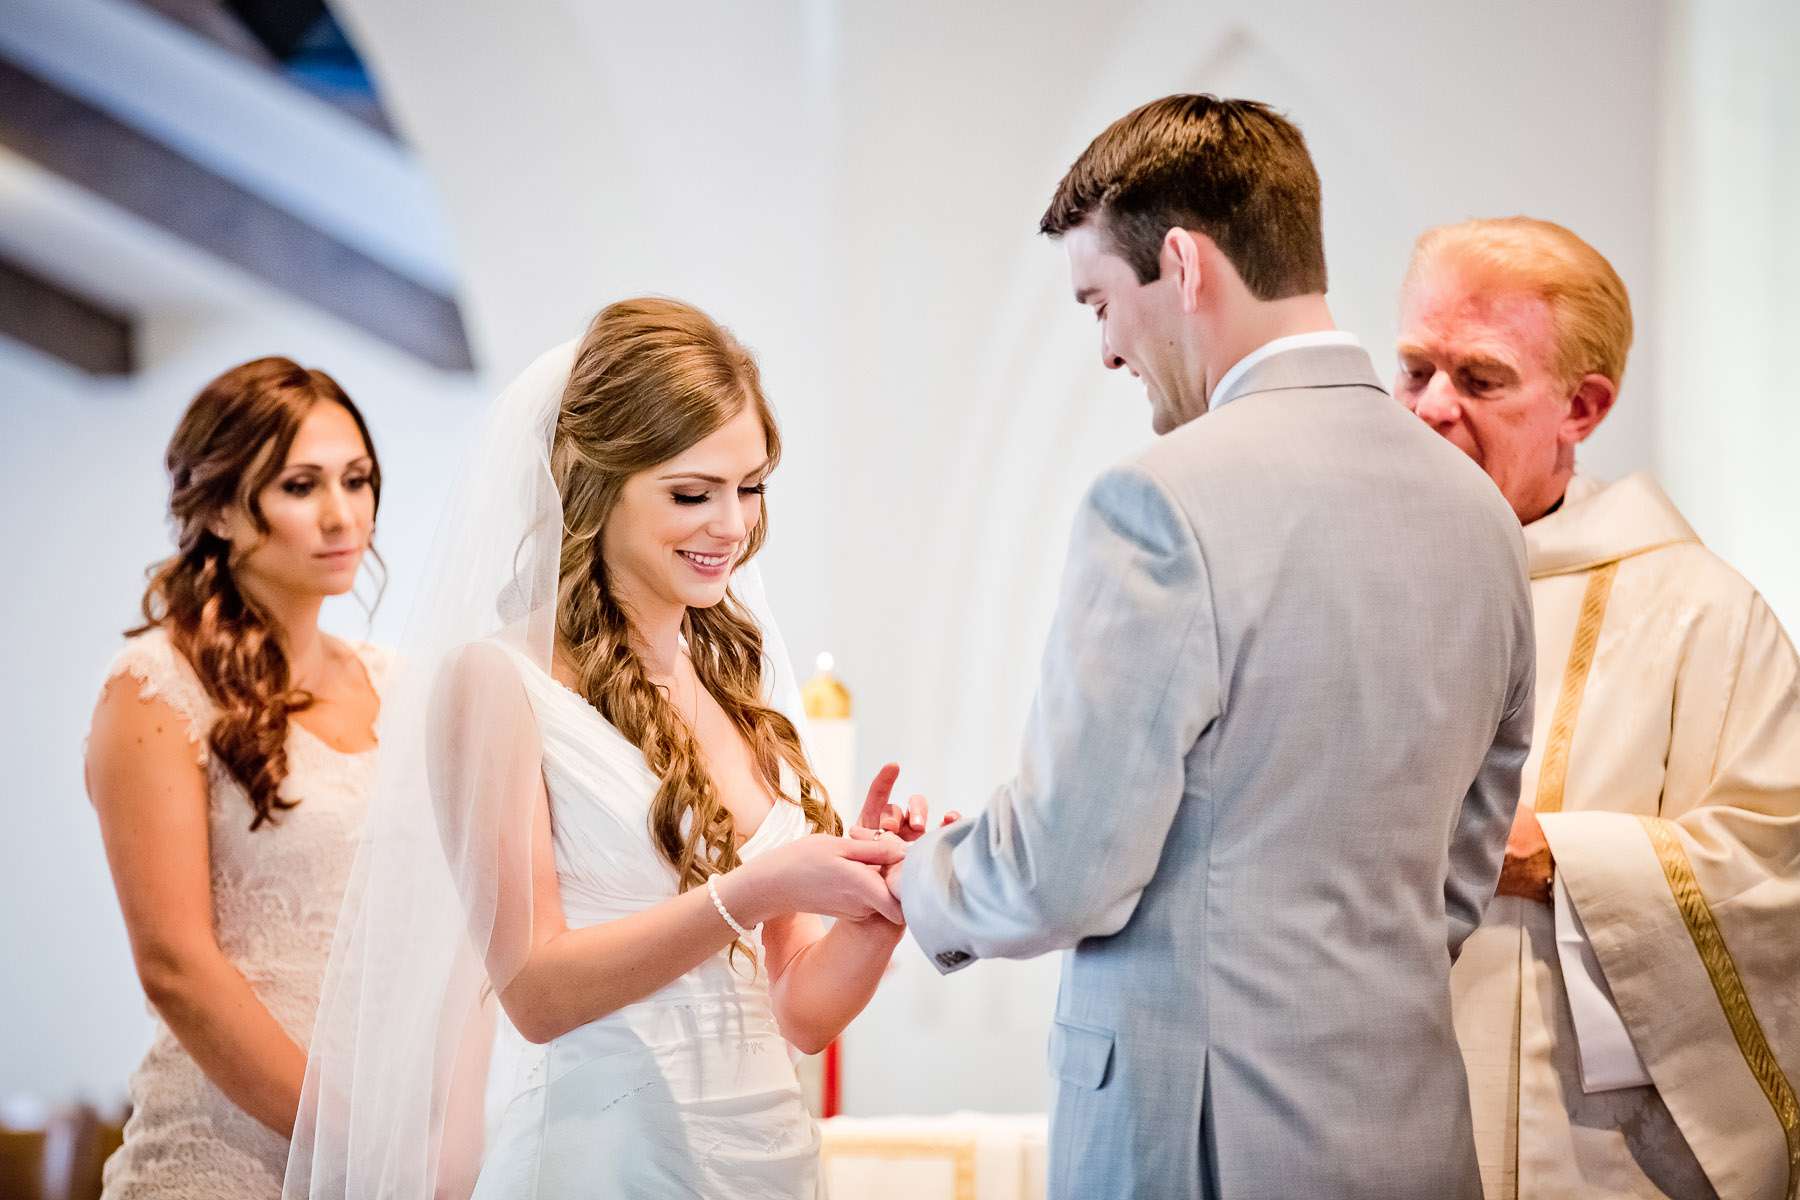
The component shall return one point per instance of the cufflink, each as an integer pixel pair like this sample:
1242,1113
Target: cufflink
951,959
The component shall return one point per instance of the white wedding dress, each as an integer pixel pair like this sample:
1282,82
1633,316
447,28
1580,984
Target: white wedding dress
689,1093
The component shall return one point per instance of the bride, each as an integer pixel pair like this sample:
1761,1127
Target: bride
596,810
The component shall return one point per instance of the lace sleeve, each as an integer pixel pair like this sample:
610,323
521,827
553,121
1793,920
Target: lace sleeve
163,674
378,661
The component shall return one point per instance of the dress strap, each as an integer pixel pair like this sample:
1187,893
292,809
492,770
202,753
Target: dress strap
378,661
164,674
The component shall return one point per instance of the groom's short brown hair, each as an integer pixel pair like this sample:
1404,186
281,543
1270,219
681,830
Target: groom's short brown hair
1234,170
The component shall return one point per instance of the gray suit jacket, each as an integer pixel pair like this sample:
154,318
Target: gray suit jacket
1265,790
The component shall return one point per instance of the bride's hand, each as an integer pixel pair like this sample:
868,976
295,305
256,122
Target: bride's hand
831,876
879,815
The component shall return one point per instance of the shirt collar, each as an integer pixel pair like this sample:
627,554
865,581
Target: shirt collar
1295,341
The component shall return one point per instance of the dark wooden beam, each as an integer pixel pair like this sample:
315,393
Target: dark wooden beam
214,22
58,322
211,20
281,25
89,147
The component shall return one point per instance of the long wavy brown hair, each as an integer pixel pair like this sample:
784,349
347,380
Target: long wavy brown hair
231,443
652,378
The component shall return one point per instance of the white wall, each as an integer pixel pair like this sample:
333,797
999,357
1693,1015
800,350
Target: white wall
855,188
1729,440
84,503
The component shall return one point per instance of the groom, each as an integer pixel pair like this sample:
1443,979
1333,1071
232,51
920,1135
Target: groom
1275,750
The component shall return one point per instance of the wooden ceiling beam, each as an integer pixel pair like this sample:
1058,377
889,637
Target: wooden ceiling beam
132,171
50,318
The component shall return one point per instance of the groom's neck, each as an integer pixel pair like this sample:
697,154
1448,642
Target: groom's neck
1262,321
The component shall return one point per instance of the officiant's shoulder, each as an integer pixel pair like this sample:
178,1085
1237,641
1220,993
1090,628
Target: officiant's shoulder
1705,595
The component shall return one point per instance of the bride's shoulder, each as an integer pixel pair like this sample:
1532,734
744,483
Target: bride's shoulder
485,663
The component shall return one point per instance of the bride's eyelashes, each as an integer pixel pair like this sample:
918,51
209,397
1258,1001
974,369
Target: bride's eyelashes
702,497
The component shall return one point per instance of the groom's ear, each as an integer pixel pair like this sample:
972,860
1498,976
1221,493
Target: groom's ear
1181,261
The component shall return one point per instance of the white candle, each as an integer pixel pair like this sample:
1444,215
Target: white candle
833,741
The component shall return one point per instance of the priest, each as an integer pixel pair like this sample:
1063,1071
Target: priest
1629,1009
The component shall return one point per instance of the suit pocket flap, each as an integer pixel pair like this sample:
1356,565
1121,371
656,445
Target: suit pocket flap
1080,1054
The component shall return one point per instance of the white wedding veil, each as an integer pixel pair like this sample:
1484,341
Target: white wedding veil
436,915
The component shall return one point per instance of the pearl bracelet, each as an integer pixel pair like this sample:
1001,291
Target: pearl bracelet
712,889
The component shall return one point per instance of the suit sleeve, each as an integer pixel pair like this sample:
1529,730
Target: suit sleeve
1129,682
1478,840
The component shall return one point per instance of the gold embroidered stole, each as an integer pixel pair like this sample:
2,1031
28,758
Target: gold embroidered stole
1554,774
1715,956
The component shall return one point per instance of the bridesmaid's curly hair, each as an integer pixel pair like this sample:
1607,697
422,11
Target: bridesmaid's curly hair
231,443
653,377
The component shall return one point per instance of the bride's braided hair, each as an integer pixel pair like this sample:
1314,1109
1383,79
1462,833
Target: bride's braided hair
652,378
231,443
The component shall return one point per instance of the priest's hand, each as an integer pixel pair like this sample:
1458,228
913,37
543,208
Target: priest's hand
1527,869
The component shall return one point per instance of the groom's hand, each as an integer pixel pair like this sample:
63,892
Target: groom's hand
891,876
908,823
882,819
875,804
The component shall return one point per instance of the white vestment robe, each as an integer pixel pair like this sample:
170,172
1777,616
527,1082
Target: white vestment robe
1665,767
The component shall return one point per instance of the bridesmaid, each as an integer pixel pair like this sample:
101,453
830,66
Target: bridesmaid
230,762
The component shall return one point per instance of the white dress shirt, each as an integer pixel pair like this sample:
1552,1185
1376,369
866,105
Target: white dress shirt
1294,341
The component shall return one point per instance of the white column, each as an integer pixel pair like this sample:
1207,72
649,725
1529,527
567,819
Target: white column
1728,438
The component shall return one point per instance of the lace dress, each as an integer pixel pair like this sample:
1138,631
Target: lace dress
275,904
